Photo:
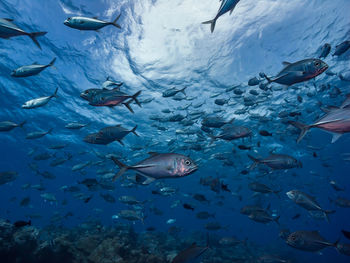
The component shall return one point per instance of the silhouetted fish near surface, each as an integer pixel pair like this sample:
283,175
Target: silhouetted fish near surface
226,6
160,165
38,134
39,102
31,70
342,48
276,162
86,23
310,241
299,72
191,254
336,121
9,125
9,29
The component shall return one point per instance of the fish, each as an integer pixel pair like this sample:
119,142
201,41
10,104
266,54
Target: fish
204,215
231,132
299,71
342,48
325,50
110,98
109,83
38,134
9,29
272,259
188,207
343,249
8,176
39,102
131,215
109,134
265,133
307,202
336,187
191,254
226,6
20,224
80,166
261,188
9,125
86,23
336,121
263,217
159,165
172,92
276,162
129,200
346,233
75,125
31,70
49,197
310,241
108,198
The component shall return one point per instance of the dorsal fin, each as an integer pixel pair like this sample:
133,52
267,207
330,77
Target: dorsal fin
35,63
153,153
8,19
286,63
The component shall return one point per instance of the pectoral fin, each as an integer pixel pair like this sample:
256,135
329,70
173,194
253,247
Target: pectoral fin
336,137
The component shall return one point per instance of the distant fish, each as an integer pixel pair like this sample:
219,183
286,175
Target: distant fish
297,72
191,254
37,134
173,91
9,29
75,125
346,234
19,224
109,83
342,48
39,102
325,50
276,162
9,125
31,70
226,6
86,23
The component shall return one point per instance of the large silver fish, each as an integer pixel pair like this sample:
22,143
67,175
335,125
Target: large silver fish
9,29
276,162
308,241
31,70
336,121
226,6
297,72
86,23
159,165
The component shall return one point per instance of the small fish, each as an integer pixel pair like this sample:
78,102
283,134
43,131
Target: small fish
9,125
276,162
188,207
38,134
19,224
172,92
31,70
39,102
75,125
325,50
342,48
265,133
86,23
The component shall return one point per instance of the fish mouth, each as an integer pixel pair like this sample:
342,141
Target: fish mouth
82,95
290,195
66,22
13,73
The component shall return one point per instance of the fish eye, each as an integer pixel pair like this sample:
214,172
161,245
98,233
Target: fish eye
69,18
188,162
317,64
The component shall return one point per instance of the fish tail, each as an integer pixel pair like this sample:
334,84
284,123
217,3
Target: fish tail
114,23
327,213
127,104
55,93
34,35
183,90
134,131
255,160
134,97
303,127
212,24
123,168
269,80
52,62
22,123
277,220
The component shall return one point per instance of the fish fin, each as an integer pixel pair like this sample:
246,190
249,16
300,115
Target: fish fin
286,63
276,219
98,31
123,168
21,124
127,104
34,35
303,127
121,142
95,17
35,63
212,24
134,97
269,80
255,160
55,94
231,121
52,62
326,213
336,137
8,19
145,180
114,23
183,90
134,131
329,109
153,153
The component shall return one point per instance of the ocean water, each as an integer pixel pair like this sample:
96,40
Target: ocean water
163,44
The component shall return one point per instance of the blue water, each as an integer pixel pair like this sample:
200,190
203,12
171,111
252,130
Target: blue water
163,44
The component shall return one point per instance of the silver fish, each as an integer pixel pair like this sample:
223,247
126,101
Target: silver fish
39,102
86,23
31,70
